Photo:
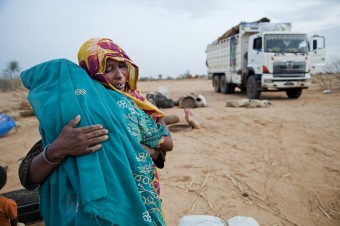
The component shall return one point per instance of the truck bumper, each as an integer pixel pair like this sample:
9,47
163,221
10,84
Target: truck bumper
282,83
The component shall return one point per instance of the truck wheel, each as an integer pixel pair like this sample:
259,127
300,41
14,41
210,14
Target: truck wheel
231,88
226,87
294,93
252,89
216,83
223,84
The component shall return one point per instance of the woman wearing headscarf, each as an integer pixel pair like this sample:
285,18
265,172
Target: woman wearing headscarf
113,186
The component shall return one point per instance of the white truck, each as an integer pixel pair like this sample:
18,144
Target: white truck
263,56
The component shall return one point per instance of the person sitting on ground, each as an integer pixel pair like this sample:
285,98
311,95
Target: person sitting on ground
8,207
104,193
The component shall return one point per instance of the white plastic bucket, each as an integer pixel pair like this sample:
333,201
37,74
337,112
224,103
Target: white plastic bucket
201,220
242,221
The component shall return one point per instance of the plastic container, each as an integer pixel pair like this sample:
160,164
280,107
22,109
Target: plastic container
242,221
6,124
201,220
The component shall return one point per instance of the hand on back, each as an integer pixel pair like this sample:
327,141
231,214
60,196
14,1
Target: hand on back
74,141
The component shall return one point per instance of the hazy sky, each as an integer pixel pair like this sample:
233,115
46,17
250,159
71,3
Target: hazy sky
165,37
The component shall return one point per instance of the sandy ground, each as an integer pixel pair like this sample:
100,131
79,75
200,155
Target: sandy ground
279,165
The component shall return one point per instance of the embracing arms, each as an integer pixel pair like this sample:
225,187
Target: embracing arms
36,165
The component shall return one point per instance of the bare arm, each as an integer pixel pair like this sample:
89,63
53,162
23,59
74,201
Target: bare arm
70,142
167,145
158,154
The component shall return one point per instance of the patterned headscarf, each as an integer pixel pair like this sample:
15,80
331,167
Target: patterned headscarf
92,56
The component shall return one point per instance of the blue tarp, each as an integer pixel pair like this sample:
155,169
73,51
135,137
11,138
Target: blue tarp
6,124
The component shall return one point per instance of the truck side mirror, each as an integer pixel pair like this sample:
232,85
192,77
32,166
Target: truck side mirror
315,44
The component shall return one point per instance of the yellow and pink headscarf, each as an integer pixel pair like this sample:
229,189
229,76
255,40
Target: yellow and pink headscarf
92,57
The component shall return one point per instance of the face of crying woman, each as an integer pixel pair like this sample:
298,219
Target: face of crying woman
116,73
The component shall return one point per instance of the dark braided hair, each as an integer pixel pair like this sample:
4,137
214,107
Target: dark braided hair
3,177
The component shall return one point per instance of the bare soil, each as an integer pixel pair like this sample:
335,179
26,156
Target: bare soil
279,164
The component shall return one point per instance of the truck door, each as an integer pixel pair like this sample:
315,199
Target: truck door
255,54
318,53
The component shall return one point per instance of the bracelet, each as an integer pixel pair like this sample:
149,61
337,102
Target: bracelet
44,155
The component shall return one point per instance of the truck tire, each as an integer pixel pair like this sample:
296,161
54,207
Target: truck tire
252,88
223,84
216,83
231,88
225,87
294,93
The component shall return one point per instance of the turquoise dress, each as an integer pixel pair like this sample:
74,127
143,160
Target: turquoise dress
112,186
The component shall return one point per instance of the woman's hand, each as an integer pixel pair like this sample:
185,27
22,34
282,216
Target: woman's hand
76,141
70,142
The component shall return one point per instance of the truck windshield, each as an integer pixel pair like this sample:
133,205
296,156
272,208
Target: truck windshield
286,43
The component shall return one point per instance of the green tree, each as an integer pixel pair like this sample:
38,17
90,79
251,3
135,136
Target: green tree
10,80
160,76
12,70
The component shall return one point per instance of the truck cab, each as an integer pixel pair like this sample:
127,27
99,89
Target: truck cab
282,61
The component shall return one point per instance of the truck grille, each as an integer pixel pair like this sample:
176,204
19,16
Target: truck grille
289,69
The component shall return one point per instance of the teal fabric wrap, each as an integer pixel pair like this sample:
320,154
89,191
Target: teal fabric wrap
112,186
